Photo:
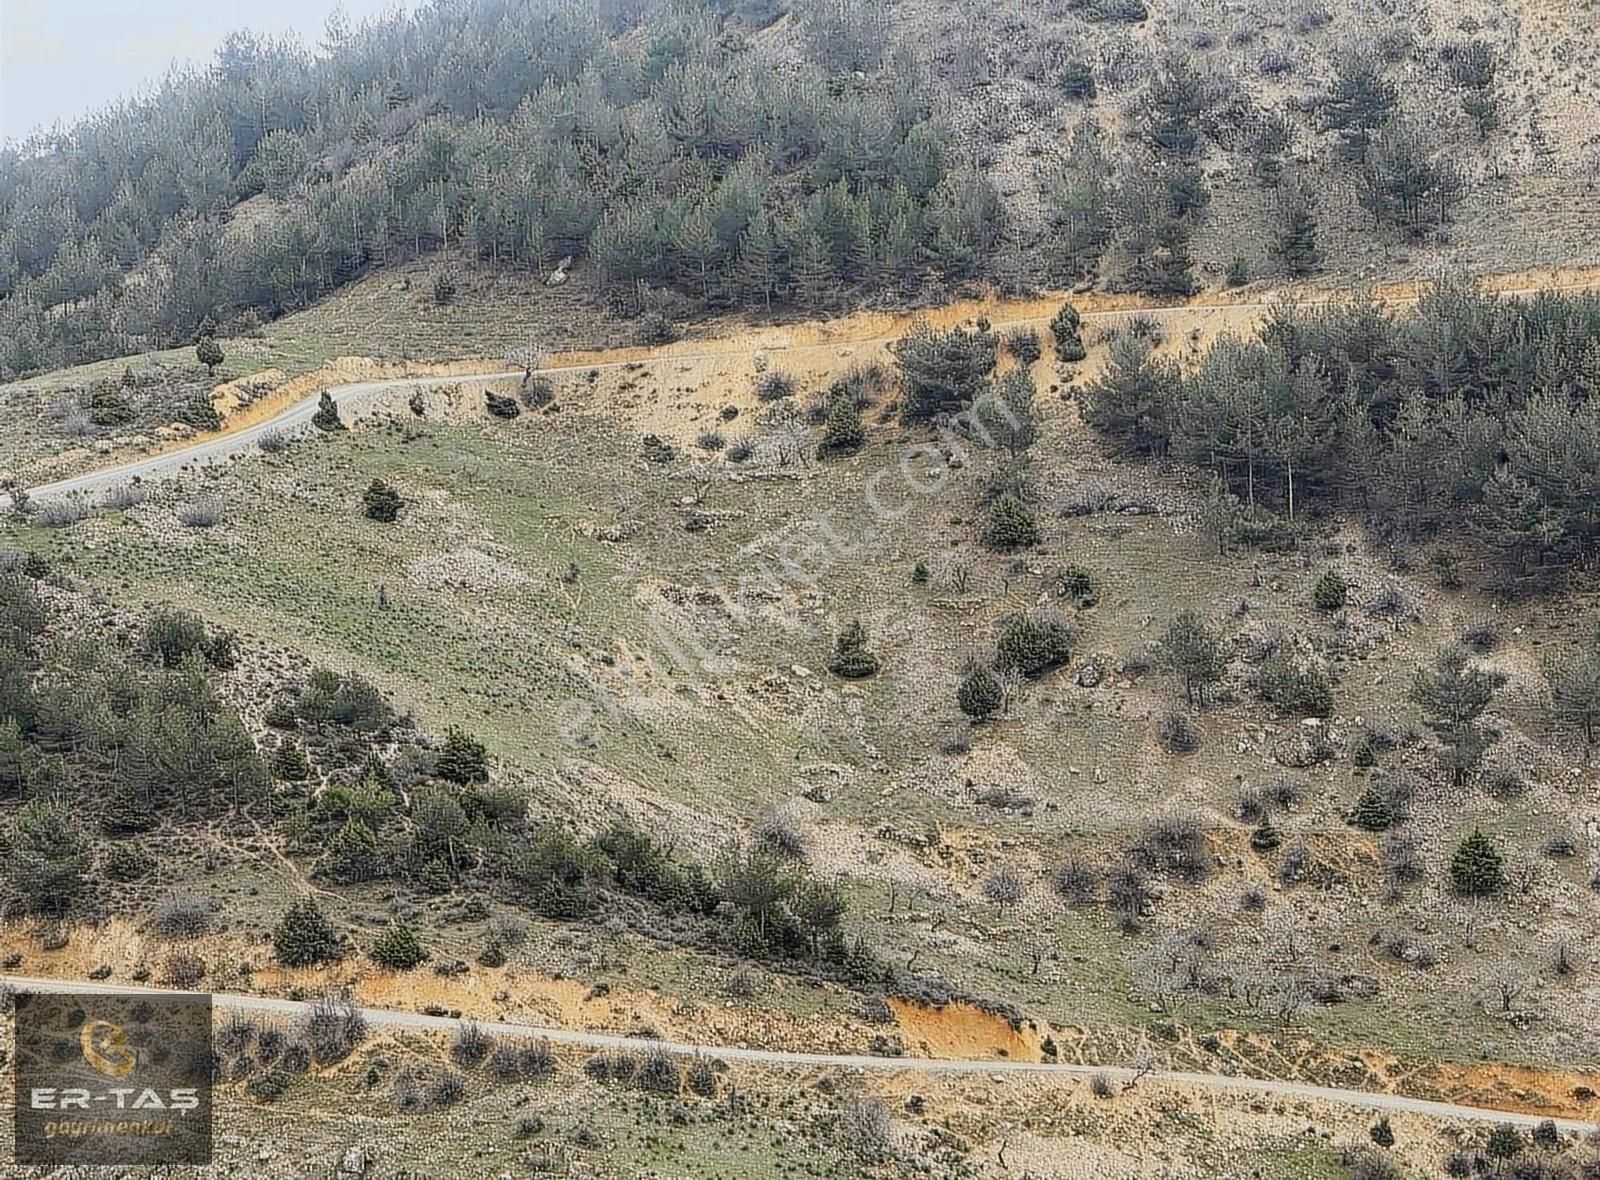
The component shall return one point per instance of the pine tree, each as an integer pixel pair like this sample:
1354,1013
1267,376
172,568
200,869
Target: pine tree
1266,837
1033,643
1575,689
1505,1142
1359,101
850,658
1005,416
1330,592
1477,869
289,762
943,371
756,265
980,694
1068,328
327,415
1515,523
353,855
1453,696
816,286
304,936
398,948
843,433
1295,244
1374,811
13,758
1194,651
463,760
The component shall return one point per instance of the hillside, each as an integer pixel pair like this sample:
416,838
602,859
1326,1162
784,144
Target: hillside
781,588
809,155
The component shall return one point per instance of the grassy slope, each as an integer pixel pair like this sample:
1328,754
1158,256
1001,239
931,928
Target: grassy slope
701,749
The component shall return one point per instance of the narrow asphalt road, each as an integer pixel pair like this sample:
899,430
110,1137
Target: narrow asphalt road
994,1069
218,447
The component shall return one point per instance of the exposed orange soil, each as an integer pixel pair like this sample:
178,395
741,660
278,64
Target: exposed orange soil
962,1030
955,1030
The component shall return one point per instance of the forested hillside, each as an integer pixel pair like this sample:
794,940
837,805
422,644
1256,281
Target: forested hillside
804,152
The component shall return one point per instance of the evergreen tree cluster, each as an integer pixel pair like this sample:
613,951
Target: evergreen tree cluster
661,142
1469,408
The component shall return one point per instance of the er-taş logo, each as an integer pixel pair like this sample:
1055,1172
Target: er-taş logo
105,1047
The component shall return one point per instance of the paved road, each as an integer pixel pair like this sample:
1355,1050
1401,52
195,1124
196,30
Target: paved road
1266,1087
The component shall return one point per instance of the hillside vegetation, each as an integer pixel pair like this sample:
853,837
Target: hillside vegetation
759,154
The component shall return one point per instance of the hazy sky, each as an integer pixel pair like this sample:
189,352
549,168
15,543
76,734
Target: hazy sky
62,58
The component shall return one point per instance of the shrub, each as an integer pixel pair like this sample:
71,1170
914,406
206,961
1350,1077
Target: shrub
127,863
501,405
1076,882
183,916
1295,684
1330,592
1176,733
471,1045
444,288
519,1061
702,1078
850,658
62,511
657,1072
333,1027
184,970
1078,586
1023,345
1175,845
538,392
710,440
1010,525
398,948
980,694
304,936
1476,868
774,385
205,513
170,635
381,502
1033,643
655,329
1077,80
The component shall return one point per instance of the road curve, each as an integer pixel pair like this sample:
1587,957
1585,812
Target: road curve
226,445
216,447
1266,1087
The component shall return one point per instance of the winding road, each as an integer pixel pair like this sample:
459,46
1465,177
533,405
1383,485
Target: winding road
994,1069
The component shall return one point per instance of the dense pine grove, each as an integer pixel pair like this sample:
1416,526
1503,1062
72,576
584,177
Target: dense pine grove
692,153
652,139
1469,413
